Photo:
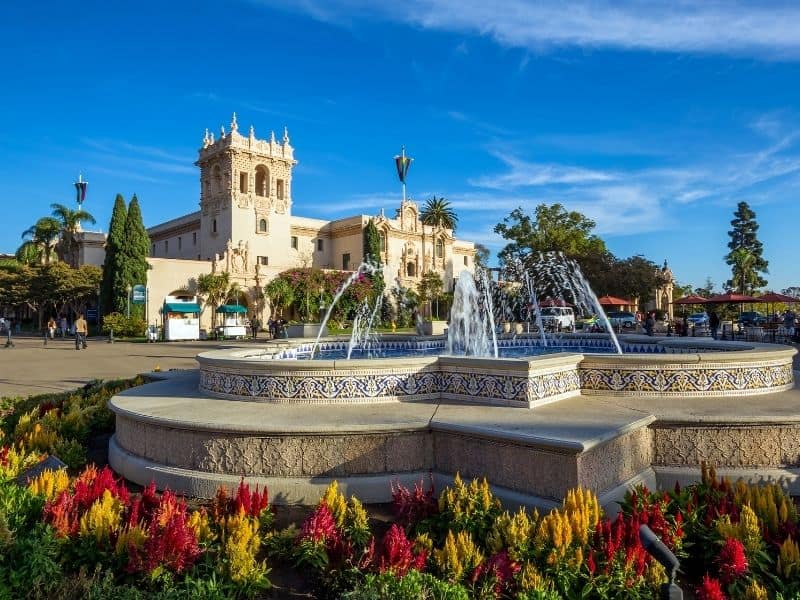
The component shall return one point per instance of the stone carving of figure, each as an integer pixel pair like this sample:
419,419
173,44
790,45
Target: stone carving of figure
215,264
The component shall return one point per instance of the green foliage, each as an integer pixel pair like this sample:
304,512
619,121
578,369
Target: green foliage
113,294
313,288
124,326
40,241
135,250
372,255
213,288
746,256
482,255
414,586
281,295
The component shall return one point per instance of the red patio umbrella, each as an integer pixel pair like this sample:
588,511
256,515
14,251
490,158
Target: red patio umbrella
613,301
554,302
731,298
693,299
772,297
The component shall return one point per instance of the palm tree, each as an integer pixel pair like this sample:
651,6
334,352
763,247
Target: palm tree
280,294
213,287
743,266
437,214
70,224
40,241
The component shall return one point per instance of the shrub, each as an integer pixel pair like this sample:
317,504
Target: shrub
124,326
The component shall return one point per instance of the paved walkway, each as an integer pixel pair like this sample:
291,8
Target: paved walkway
32,368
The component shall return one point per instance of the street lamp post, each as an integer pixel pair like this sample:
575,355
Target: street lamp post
128,289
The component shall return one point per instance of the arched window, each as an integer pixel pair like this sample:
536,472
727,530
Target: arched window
262,226
439,248
382,237
262,181
411,269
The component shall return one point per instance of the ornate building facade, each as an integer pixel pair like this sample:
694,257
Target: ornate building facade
245,227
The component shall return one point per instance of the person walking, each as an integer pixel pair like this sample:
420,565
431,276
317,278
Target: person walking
650,323
63,326
255,324
713,323
81,330
51,328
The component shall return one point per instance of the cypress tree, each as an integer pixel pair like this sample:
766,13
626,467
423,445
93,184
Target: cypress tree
114,242
135,251
372,254
744,237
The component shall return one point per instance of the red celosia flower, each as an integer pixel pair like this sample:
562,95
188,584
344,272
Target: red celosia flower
411,507
253,503
590,564
62,515
499,567
397,553
709,589
4,455
171,542
90,485
731,561
320,526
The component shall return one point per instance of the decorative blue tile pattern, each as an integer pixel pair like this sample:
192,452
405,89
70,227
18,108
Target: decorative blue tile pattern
687,380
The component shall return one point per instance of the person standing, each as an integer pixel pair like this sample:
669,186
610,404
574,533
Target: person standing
63,326
255,324
51,328
713,323
81,330
788,322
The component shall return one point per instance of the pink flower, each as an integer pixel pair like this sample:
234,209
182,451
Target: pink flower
320,526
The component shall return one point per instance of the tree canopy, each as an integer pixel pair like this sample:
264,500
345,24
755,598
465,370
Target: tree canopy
135,250
69,224
372,255
746,252
112,297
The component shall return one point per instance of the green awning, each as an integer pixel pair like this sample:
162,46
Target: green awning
181,307
232,308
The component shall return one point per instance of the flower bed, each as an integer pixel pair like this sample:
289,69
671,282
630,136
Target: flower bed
89,536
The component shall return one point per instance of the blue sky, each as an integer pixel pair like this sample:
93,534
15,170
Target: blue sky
654,118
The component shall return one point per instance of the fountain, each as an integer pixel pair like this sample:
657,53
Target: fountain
602,420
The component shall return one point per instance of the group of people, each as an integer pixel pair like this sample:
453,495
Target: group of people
79,329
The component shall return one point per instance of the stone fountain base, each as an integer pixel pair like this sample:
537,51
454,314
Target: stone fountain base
171,433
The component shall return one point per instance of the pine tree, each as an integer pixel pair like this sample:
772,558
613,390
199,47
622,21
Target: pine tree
135,251
114,242
372,254
744,238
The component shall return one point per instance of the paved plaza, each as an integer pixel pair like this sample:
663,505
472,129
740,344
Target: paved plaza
32,368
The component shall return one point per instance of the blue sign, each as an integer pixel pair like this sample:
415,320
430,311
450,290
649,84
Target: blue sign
91,313
139,294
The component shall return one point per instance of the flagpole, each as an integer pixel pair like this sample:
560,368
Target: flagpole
403,154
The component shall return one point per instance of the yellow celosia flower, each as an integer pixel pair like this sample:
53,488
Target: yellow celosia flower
655,575
130,536
336,502
423,542
240,545
754,591
50,484
513,532
201,525
770,503
789,560
40,438
750,530
530,580
459,556
102,519
16,461
461,500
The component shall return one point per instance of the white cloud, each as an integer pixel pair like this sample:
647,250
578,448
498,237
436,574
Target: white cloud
764,29
522,174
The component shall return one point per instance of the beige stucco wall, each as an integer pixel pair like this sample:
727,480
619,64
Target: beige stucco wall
168,275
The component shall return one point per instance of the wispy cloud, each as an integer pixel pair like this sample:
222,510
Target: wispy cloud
522,173
762,29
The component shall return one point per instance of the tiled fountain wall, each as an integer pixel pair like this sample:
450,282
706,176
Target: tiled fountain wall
666,371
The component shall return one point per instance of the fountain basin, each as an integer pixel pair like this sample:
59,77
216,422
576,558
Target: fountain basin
666,368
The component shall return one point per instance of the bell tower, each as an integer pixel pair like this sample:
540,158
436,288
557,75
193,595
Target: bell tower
245,192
